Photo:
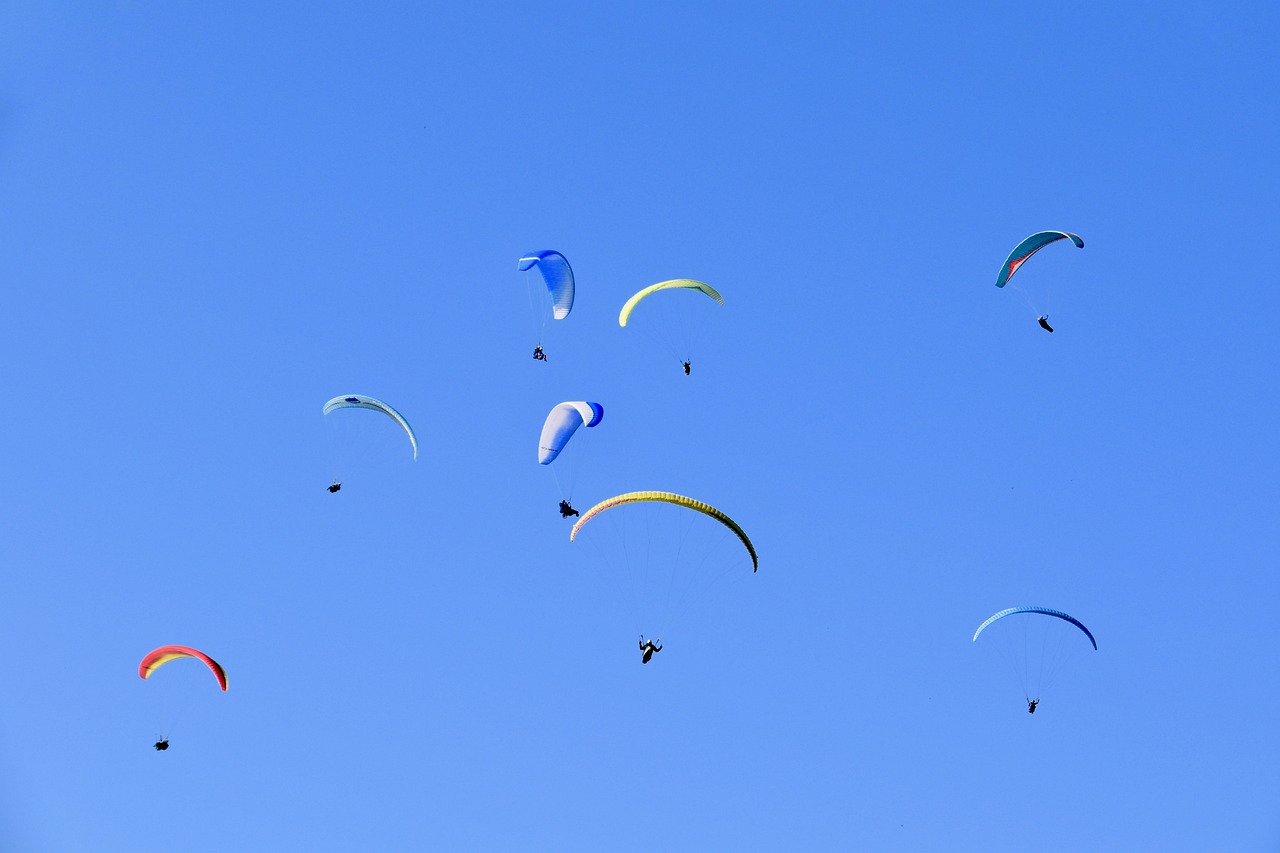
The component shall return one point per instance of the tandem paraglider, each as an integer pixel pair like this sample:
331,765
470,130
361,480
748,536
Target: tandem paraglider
554,295
562,424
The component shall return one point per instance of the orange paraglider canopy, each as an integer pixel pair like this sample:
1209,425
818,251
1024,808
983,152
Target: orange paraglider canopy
164,654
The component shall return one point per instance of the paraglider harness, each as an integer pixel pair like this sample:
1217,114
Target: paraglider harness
162,744
1031,705
686,367
539,354
566,510
648,648
1043,320
335,487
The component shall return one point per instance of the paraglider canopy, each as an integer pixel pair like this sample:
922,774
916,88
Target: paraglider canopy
558,276
159,657
561,423
1042,610
678,500
360,401
1029,247
675,283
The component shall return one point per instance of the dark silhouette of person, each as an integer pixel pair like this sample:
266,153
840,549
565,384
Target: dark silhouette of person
686,367
1043,320
335,487
648,648
162,744
1031,705
566,510
539,354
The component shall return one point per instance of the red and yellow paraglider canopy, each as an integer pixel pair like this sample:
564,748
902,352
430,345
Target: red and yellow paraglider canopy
161,656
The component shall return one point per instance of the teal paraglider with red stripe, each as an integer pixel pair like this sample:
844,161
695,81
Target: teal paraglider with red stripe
1029,247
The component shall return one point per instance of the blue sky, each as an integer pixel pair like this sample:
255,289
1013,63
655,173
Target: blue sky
215,219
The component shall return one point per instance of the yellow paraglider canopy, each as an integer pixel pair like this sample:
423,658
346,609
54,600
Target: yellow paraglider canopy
679,283
678,500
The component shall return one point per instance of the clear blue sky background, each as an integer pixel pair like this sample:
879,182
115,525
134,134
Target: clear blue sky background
214,217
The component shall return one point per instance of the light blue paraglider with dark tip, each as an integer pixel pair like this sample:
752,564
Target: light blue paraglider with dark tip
562,423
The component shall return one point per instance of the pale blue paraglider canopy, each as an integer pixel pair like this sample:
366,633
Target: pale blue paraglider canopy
1043,610
558,275
562,423
360,401
1029,247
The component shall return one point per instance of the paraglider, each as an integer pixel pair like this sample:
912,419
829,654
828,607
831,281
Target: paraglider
555,295
1024,251
562,423
663,558
678,324
648,649
157,658
355,440
1027,656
